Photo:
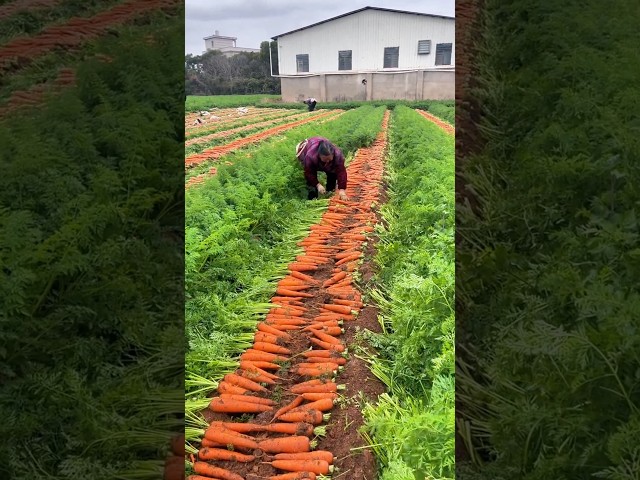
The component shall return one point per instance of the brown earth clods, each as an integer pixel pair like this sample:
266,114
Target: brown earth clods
352,459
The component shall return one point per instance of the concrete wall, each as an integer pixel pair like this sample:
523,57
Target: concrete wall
412,85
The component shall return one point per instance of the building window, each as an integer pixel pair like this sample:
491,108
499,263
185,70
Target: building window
344,60
424,47
391,55
443,54
302,63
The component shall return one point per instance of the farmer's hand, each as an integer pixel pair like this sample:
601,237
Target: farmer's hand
343,195
321,189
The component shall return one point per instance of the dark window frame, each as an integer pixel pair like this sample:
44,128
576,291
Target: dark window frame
391,56
443,53
304,58
345,58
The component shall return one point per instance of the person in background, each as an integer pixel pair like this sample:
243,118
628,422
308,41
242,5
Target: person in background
319,154
311,103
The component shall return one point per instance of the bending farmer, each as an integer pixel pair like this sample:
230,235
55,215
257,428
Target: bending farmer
311,103
319,154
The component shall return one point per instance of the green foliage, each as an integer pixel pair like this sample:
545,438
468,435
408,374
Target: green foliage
548,270
195,103
413,428
443,106
90,203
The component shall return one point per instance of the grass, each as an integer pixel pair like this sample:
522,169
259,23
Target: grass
205,102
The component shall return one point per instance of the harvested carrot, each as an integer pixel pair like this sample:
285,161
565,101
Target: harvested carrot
329,329
284,326
200,477
310,382
270,347
205,442
329,387
336,278
326,365
320,467
301,267
337,308
293,404
292,476
266,337
222,405
312,397
224,435
327,346
243,382
314,417
315,455
248,364
302,276
226,387
248,398
287,311
349,303
299,428
325,337
324,405
264,327
291,444
312,371
294,288
282,320
221,454
257,375
292,293
255,355
240,427
203,468
338,360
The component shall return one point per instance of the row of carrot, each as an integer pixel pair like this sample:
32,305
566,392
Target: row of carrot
336,240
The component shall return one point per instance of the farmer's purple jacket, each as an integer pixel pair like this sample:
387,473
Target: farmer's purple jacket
311,163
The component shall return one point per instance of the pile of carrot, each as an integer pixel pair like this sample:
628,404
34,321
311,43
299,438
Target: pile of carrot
280,432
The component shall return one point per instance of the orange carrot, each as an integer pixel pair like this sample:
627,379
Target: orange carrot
329,329
226,436
222,405
270,347
346,253
244,382
322,388
291,476
309,383
205,442
255,355
240,427
319,396
248,364
284,326
207,453
226,387
293,404
279,320
326,337
327,346
291,444
200,477
301,267
349,303
299,428
336,278
264,327
324,405
294,288
337,308
248,398
265,337
320,467
257,375
315,455
324,365
288,311
337,360
312,371
292,293
210,471
314,417
302,276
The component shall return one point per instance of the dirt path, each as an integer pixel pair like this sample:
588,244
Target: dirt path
333,250
441,123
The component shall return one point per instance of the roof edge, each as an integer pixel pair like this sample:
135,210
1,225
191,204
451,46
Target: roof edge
360,10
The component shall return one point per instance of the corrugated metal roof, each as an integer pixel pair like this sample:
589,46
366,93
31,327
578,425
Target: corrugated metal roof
360,10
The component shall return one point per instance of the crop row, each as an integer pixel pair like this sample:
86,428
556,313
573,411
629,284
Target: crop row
215,122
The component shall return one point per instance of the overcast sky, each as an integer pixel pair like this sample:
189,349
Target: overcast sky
254,21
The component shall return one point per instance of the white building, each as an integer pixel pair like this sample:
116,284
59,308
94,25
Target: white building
227,45
368,54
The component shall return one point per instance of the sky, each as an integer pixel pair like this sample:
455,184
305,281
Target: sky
254,21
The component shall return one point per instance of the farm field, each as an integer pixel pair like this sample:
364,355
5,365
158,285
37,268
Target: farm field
309,322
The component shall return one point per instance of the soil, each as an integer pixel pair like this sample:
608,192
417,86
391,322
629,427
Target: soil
353,460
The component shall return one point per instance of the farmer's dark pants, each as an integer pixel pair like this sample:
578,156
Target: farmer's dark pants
312,105
331,186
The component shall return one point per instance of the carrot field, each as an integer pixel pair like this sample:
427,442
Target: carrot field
320,332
